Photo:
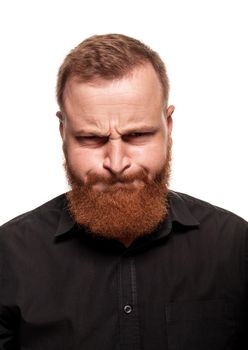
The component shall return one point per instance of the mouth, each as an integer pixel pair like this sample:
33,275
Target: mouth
132,186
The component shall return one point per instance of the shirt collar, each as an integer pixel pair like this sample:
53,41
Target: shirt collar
66,222
178,212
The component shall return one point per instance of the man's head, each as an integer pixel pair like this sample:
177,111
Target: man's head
116,130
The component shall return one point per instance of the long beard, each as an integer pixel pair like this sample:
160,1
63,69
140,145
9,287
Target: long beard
119,212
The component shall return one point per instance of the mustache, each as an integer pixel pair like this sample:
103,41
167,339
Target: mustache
93,178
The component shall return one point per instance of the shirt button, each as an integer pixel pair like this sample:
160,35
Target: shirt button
128,309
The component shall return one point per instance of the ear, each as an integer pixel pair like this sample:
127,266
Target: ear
169,121
61,124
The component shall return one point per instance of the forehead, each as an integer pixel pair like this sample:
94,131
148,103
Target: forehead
135,98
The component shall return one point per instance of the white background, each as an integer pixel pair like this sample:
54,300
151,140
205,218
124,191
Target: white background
205,47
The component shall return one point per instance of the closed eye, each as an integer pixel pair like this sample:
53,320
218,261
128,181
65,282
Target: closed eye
91,140
135,136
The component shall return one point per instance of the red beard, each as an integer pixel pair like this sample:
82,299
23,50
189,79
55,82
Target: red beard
120,213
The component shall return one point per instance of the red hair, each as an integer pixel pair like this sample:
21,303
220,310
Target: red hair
109,56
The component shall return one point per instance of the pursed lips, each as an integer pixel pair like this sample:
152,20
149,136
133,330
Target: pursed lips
129,186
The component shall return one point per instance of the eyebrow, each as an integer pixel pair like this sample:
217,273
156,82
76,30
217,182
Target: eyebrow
89,132
144,128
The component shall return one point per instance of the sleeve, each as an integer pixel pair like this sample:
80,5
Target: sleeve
245,340
8,329
9,314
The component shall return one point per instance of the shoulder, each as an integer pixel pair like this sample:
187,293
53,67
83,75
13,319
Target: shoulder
208,214
47,215
220,233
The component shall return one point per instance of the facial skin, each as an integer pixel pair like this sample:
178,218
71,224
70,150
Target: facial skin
116,139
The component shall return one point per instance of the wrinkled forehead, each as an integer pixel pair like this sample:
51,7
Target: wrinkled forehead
134,100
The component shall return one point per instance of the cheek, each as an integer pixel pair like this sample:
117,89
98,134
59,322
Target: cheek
151,157
83,161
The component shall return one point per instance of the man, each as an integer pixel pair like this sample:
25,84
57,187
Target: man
121,261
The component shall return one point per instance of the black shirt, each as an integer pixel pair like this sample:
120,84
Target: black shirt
183,287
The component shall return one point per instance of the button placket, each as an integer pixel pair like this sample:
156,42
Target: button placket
129,320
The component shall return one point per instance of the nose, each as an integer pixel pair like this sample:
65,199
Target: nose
115,160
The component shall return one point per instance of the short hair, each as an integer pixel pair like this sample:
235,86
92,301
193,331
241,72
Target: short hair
109,57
